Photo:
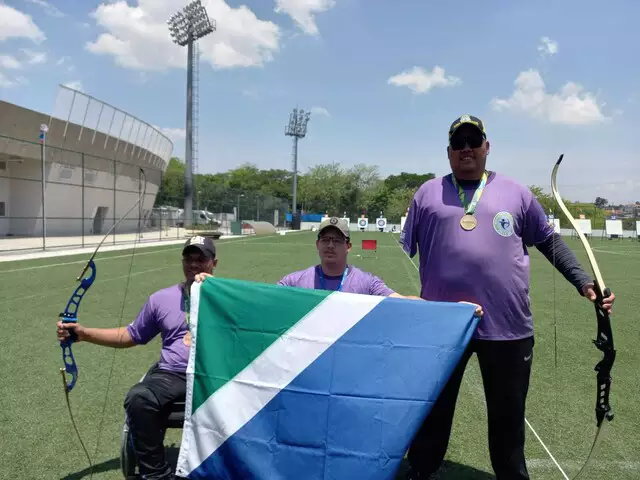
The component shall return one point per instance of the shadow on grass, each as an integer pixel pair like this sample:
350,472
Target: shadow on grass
448,471
171,453
451,471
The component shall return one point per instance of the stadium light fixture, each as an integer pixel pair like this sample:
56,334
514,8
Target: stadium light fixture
297,128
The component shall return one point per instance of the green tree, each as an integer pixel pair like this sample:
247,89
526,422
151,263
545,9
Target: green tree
407,180
172,189
399,201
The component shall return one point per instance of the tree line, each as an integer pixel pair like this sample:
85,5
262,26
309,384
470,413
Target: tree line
328,188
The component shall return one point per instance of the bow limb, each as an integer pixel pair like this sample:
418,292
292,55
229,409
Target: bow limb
70,315
604,340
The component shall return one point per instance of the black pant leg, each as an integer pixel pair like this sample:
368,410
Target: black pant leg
506,369
145,407
429,446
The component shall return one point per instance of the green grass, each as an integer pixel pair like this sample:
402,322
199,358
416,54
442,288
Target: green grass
37,440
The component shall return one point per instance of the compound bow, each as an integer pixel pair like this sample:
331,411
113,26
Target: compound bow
604,340
70,315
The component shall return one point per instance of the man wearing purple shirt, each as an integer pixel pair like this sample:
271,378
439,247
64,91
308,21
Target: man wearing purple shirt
334,273
166,312
472,229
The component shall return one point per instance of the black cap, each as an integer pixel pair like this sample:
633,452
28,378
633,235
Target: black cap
204,244
470,119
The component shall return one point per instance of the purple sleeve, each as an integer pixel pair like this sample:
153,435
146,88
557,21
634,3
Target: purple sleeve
409,234
145,327
536,228
379,288
287,281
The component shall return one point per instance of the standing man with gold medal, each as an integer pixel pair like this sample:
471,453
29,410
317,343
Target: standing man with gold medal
477,251
166,312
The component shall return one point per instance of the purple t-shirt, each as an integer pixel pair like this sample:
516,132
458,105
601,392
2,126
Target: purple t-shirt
163,313
488,265
357,281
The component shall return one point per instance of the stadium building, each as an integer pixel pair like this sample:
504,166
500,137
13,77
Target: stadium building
92,154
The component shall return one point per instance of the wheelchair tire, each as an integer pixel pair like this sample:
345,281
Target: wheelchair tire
128,462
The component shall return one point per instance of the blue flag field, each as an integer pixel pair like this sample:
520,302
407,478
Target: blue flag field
287,383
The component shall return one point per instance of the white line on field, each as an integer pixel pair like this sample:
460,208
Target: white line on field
52,292
629,253
137,254
546,450
77,262
541,463
527,421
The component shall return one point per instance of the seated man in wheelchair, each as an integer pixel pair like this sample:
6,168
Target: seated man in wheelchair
166,312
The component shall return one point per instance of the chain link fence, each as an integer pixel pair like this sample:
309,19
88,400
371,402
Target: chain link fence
223,210
85,195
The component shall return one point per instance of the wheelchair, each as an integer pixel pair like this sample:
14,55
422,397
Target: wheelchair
128,460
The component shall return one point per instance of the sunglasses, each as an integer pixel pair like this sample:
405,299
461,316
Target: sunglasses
474,140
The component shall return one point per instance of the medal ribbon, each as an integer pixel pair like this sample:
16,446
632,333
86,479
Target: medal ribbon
470,207
344,275
186,305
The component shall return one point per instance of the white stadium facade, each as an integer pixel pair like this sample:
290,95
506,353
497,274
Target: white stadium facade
93,153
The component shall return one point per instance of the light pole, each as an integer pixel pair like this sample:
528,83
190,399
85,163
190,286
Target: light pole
186,27
238,211
297,128
44,128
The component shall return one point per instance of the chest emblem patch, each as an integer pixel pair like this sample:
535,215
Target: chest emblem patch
503,224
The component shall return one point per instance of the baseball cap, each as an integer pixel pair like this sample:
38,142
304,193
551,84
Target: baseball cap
458,122
335,222
204,244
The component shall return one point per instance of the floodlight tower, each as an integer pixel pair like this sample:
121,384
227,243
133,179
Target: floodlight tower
297,129
186,27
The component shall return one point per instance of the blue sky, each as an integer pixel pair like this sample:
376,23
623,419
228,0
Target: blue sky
384,79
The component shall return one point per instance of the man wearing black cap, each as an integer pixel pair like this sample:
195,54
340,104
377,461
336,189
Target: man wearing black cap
333,272
166,312
472,229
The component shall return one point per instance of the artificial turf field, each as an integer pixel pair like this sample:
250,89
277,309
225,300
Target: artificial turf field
37,439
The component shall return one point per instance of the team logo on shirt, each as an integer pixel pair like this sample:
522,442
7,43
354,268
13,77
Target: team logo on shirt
503,224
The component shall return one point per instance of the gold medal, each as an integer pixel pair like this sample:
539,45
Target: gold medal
187,339
468,222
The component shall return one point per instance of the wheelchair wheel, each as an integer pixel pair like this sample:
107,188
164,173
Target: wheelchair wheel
128,462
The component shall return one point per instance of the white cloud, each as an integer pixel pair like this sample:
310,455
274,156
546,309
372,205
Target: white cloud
34,58
6,82
9,62
48,8
66,61
303,12
570,105
320,111
548,47
15,24
138,36
174,134
75,85
250,92
422,81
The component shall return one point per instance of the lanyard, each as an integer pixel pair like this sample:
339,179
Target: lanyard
186,304
344,275
470,207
